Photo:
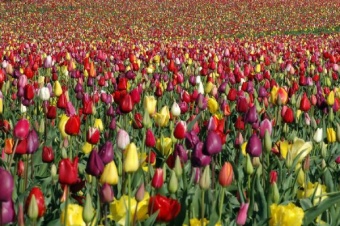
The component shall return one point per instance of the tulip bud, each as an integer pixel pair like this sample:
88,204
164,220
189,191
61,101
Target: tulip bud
213,144
140,193
178,167
254,146
7,185
338,132
106,193
95,165
88,211
146,120
33,211
226,175
123,139
106,152
157,179
131,162
173,183
267,142
32,142
175,110
205,179
21,129
318,136
150,140
300,175
249,166
242,214
44,93
110,174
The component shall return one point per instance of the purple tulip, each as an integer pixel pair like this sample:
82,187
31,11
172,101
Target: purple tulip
196,174
265,125
222,87
21,129
90,82
202,102
192,80
191,139
181,153
262,92
251,115
78,88
8,212
213,144
198,159
183,106
170,86
7,185
32,142
106,152
254,146
70,110
130,75
95,165
106,193
110,111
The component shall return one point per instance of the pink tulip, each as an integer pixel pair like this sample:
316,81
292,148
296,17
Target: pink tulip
21,129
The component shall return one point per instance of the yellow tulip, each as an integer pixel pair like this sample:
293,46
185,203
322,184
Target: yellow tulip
1,106
298,148
208,87
41,81
131,161
243,148
118,209
87,148
317,190
212,105
61,126
164,145
150,103
98,123
283,215
110,174
258,68
330,98
162,118
74,215
273,94
284,147
331,135
57,89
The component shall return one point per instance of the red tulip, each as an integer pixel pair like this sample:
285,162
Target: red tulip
92,135
126,104
180,130
287,115
137,121
157,179
168,208
51,112
305,103
72,126
29,92
21,147
62,101
135,95
122,84
232,94
21,129
39,197
68,171
150,140
47,154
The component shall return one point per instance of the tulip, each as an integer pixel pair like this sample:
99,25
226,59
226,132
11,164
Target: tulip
140,193
137,121
198,159
286,215
254,146
150,140
88,210
288,115
265,125
7,212
68,171
251,115
106,152
330,98
226,175
47,154
131,161
181,153
72,126
158,178
318,136
21,129
242,214
35,203
175,110
57,90
242,104
110,174
150,104
126,104
164,145
213,144
331,135
162,118
305,104
29,92
180,130
32,142
74,215
92,135
51,112
202,102
44,93
212,105
191,139
167,208
98,123
123,139
205,180
299,148
106,193
7,185
95,165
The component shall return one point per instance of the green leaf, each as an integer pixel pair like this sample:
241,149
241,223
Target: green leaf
192,123
306,204
152,219
312,213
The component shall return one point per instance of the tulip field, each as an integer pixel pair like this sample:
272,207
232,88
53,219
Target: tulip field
168,112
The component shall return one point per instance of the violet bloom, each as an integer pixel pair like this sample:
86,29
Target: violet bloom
181,153
8,212
251,115
95,165
222,87
191,139
213,144
198,159
106,193
262,92
70,110
266,124
106,152
254,146
7,185
201,102
32,142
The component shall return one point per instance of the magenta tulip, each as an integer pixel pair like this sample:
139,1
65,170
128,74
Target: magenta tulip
21,129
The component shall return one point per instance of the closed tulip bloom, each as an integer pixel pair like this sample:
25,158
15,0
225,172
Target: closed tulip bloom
201,102
251,115
131,161
331,135
167,208
72,126
8,212
21,129
110,174
265,125
158,178
39,202
213,144
175,110
123,139
254,146
164,145
226,175
180,130
95,165
57,90
282,96
98,123
191,139
318,136
198,159
106,152
93,135
47,154
150,140
330,98
288,115
305,104
106,193
44,93
242,214
242,104
205,180
212,105
162,118
68,171
74,215
150,103
126,103
7,185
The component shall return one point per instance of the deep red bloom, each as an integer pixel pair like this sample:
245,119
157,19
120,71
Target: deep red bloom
168,208
51,112
273,177
288,115
137,121
29,92
72,126
232,94
92,135
68,171
62,101
39,197
47,154
305,103
126,104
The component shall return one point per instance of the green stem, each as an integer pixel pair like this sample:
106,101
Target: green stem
202,207
221,204
14,150
66,205
129,199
